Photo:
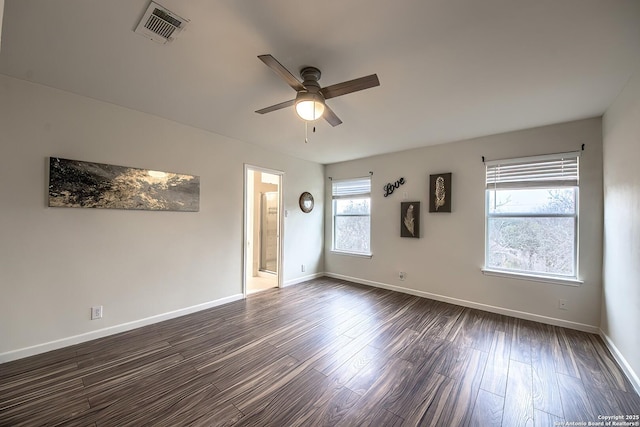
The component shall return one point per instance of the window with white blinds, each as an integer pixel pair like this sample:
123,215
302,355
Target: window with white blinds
532,216
352,216
359,187
554,170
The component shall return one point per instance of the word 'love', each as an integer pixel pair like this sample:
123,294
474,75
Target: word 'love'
390,188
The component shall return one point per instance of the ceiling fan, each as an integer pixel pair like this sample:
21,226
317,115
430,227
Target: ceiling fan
310,99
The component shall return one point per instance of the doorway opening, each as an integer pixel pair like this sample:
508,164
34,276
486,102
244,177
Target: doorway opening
263,229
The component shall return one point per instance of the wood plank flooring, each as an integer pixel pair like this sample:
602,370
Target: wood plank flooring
324,352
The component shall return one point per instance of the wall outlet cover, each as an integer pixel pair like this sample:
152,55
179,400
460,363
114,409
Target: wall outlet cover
96,312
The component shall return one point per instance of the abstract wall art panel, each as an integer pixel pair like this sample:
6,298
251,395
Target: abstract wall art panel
78,184
440,192
410,219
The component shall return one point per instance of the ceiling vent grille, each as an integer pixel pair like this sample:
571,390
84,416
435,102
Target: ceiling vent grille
160,24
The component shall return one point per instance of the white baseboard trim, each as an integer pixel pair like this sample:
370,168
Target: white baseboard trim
628,370
88,336
465,303
302,279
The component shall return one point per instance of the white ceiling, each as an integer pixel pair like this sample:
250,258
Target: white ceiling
449,69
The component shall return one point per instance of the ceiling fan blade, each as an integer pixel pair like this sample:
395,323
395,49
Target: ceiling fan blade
279,69
276,107
354,85
330,116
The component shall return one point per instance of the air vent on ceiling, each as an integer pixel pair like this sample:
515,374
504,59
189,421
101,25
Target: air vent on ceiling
160,24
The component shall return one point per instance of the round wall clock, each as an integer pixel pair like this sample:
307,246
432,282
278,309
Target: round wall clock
306,202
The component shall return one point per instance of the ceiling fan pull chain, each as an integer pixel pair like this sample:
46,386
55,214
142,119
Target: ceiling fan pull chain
306,132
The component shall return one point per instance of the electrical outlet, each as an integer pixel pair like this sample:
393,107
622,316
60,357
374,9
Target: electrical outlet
562,304
96,312
302,268
402,275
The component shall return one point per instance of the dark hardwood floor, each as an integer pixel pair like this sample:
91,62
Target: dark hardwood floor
325,352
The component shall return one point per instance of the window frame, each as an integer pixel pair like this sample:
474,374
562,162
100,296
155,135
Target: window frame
352,196
554,182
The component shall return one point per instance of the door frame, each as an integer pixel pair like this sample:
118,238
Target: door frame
249,167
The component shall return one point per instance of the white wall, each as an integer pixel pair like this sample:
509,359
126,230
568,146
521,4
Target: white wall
445,262
57,262
621,296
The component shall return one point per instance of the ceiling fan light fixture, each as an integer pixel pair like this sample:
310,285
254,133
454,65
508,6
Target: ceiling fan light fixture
310,99
309,106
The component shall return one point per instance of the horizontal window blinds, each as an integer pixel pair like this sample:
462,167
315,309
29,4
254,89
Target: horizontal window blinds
553,170
351,188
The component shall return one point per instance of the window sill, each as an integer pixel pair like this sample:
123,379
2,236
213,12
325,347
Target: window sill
354,254
533,277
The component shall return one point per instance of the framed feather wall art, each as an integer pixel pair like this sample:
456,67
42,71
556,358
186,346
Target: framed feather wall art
440,192
410,219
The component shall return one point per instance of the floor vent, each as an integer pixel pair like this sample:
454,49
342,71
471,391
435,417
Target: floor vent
160,24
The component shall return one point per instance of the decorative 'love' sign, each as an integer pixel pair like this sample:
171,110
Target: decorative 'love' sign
390,188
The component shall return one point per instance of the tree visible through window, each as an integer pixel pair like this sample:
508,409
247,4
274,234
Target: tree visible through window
532,215
352,215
